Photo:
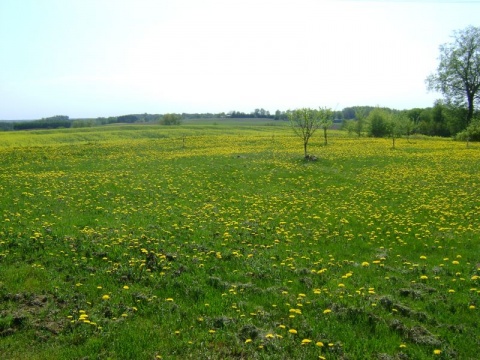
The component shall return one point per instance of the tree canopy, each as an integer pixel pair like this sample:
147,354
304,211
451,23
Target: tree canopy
458,73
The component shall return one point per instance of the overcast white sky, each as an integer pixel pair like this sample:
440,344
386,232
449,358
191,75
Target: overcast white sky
90,58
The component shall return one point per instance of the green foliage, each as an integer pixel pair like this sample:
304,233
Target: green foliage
325,120
458,74
305,122
360,117
171,119
54,122
471,133
378,123
398,124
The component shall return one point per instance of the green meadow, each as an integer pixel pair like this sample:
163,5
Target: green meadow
217,240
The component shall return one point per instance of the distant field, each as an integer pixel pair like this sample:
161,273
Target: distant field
217,240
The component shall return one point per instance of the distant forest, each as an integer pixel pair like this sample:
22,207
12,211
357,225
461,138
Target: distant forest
439,120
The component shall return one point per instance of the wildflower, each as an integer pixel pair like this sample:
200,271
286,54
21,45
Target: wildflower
170,299
319,344
211,331
106,297
248,341
423,257
306,341
292,331
326,311
365,264
403,346
125,287
269,336
437,351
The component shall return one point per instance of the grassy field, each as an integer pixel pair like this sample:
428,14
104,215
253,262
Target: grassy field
218,241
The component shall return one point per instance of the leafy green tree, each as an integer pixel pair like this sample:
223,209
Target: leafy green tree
325,116
304,123
360,116
471,133
458,73
171,119
378,122
397,124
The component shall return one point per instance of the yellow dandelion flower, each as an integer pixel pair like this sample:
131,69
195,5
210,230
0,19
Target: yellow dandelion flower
326,311
106,297
248,341
125,287
437,351
292,331
319,344
306,341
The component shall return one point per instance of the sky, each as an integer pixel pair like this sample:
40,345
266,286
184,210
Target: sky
101,58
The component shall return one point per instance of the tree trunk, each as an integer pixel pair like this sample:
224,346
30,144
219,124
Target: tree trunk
470,107
325,135
305,148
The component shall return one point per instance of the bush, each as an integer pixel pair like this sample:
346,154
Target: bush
171,119
378,123
471,133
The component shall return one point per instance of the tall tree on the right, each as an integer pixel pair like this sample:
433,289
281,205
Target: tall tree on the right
458,73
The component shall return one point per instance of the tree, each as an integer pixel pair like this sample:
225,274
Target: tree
471,133
378,122
458,74
171,119
397,125
360,116
325,119
304,123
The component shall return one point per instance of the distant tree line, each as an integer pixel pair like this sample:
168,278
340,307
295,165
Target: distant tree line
54,122
443,119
